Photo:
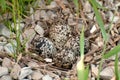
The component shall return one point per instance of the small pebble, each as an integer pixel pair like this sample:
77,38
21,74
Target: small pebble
25,72
6,77
3,71
36,75
47,77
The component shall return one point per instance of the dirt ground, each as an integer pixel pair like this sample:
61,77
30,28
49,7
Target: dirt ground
53,50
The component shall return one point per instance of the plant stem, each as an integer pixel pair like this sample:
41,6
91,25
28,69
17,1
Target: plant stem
101,61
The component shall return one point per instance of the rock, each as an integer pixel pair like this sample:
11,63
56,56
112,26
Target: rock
21,38
40,3
111,19
2,43
25,79
87,7
15,71
109,4
3,71
46,77
33,64
118,42
48,60
94,70
80,25
29,35
25,72
52,5
66,11
39,30
37,15
19,25
7,63
43,15
93,78
99,41
119,30
4,31
71,21
90,16
52,15
88,58
44,47
1,48
3,39
116,19
65,2
1,60
36,75
32,15
117,5
93,29
10,47
107,73
6,77
100,2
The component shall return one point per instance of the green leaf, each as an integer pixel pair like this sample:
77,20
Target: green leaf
99,19
114,51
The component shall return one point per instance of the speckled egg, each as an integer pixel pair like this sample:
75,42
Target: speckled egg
68,55
65,59
74,44
59,34
44,47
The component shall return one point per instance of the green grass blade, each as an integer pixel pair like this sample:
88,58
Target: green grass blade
49,1
77,6
114,51
3,5
116,67
82,42
76,3
98,5
86,73
81,70
119,76
80,64
99,19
